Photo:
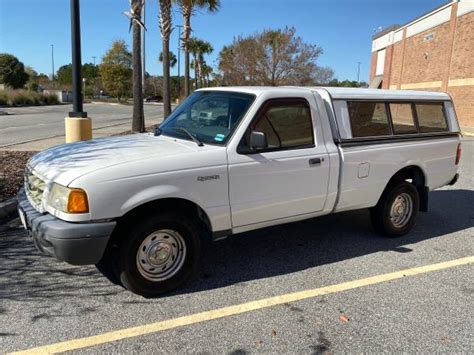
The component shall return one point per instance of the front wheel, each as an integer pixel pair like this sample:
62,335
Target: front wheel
160,254
395,213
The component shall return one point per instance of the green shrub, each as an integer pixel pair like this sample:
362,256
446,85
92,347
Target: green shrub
50,99
26,98
37,98
21,98
3,98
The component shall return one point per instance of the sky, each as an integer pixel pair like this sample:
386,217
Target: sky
343,28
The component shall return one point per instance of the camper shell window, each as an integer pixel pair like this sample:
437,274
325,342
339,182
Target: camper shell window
391,118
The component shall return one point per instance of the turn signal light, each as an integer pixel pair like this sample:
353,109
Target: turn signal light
77,202
458,154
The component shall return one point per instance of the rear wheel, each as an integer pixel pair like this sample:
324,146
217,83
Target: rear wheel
158,255
395,213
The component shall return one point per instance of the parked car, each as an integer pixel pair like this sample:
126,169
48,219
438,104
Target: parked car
141,206
153,98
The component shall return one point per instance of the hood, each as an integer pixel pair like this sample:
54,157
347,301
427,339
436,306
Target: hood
67,162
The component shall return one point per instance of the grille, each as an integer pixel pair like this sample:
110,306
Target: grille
34,187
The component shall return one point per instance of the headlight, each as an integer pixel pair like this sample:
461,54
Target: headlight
68,200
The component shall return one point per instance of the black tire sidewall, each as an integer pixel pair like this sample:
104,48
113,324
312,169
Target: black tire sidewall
388,227
128,270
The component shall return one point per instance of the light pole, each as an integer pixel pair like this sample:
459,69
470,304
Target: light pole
93,58
52,61
358,72
179,56
76,61
78,125
143,47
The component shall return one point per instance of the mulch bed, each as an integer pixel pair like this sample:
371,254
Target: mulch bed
12,166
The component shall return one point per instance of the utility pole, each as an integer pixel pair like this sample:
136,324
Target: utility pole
358,72
143,47
93,58
52,61
179,61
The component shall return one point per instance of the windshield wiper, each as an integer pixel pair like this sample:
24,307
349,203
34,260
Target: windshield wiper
195,139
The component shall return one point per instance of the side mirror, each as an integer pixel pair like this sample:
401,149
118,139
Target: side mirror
157,130
258,140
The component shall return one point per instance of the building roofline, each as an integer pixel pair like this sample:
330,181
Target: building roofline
396,27
385,31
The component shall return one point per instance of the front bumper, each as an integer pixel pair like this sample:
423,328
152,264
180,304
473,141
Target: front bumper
74,243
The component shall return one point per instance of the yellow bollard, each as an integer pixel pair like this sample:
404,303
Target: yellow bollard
78,129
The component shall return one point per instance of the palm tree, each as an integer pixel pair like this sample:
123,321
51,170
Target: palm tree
193,48
204,48
198,48
206,72
172,57
187,8
165,29
138,118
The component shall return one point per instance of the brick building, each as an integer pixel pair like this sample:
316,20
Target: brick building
433,52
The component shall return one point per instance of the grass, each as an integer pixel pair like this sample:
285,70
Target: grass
26,98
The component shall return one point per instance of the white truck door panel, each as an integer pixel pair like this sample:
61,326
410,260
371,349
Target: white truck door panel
277,184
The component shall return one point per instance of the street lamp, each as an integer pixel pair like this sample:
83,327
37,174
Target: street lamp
78,125
143,47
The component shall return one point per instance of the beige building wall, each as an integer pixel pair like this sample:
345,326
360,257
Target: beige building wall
434,52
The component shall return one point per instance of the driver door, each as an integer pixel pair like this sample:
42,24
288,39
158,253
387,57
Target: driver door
289,177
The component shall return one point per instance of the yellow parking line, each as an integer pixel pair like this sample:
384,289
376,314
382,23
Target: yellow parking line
238,309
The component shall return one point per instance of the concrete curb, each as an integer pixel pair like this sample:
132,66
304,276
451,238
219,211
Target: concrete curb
8,207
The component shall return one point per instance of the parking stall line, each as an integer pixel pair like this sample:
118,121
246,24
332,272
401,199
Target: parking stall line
127,333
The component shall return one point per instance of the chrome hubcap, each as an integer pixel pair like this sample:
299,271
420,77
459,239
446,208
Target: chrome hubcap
401,210
161,255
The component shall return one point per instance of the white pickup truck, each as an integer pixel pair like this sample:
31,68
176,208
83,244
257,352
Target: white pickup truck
230,160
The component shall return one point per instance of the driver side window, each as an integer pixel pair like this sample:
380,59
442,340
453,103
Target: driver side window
286,123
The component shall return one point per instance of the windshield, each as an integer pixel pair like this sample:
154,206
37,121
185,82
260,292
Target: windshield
209,116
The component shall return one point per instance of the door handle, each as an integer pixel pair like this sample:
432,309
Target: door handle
315,161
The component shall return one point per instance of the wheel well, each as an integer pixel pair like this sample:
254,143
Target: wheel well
414,175
179,206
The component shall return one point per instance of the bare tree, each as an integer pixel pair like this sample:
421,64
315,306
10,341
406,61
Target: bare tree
273,57
323,75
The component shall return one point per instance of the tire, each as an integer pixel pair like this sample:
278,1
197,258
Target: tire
395,213
107,266
159,254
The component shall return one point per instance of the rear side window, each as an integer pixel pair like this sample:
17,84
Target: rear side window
402,118
368,119
431,117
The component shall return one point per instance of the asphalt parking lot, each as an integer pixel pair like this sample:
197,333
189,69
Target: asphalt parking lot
44,302
48,121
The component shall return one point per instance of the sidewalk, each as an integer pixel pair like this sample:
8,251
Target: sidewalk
44,143
467,131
